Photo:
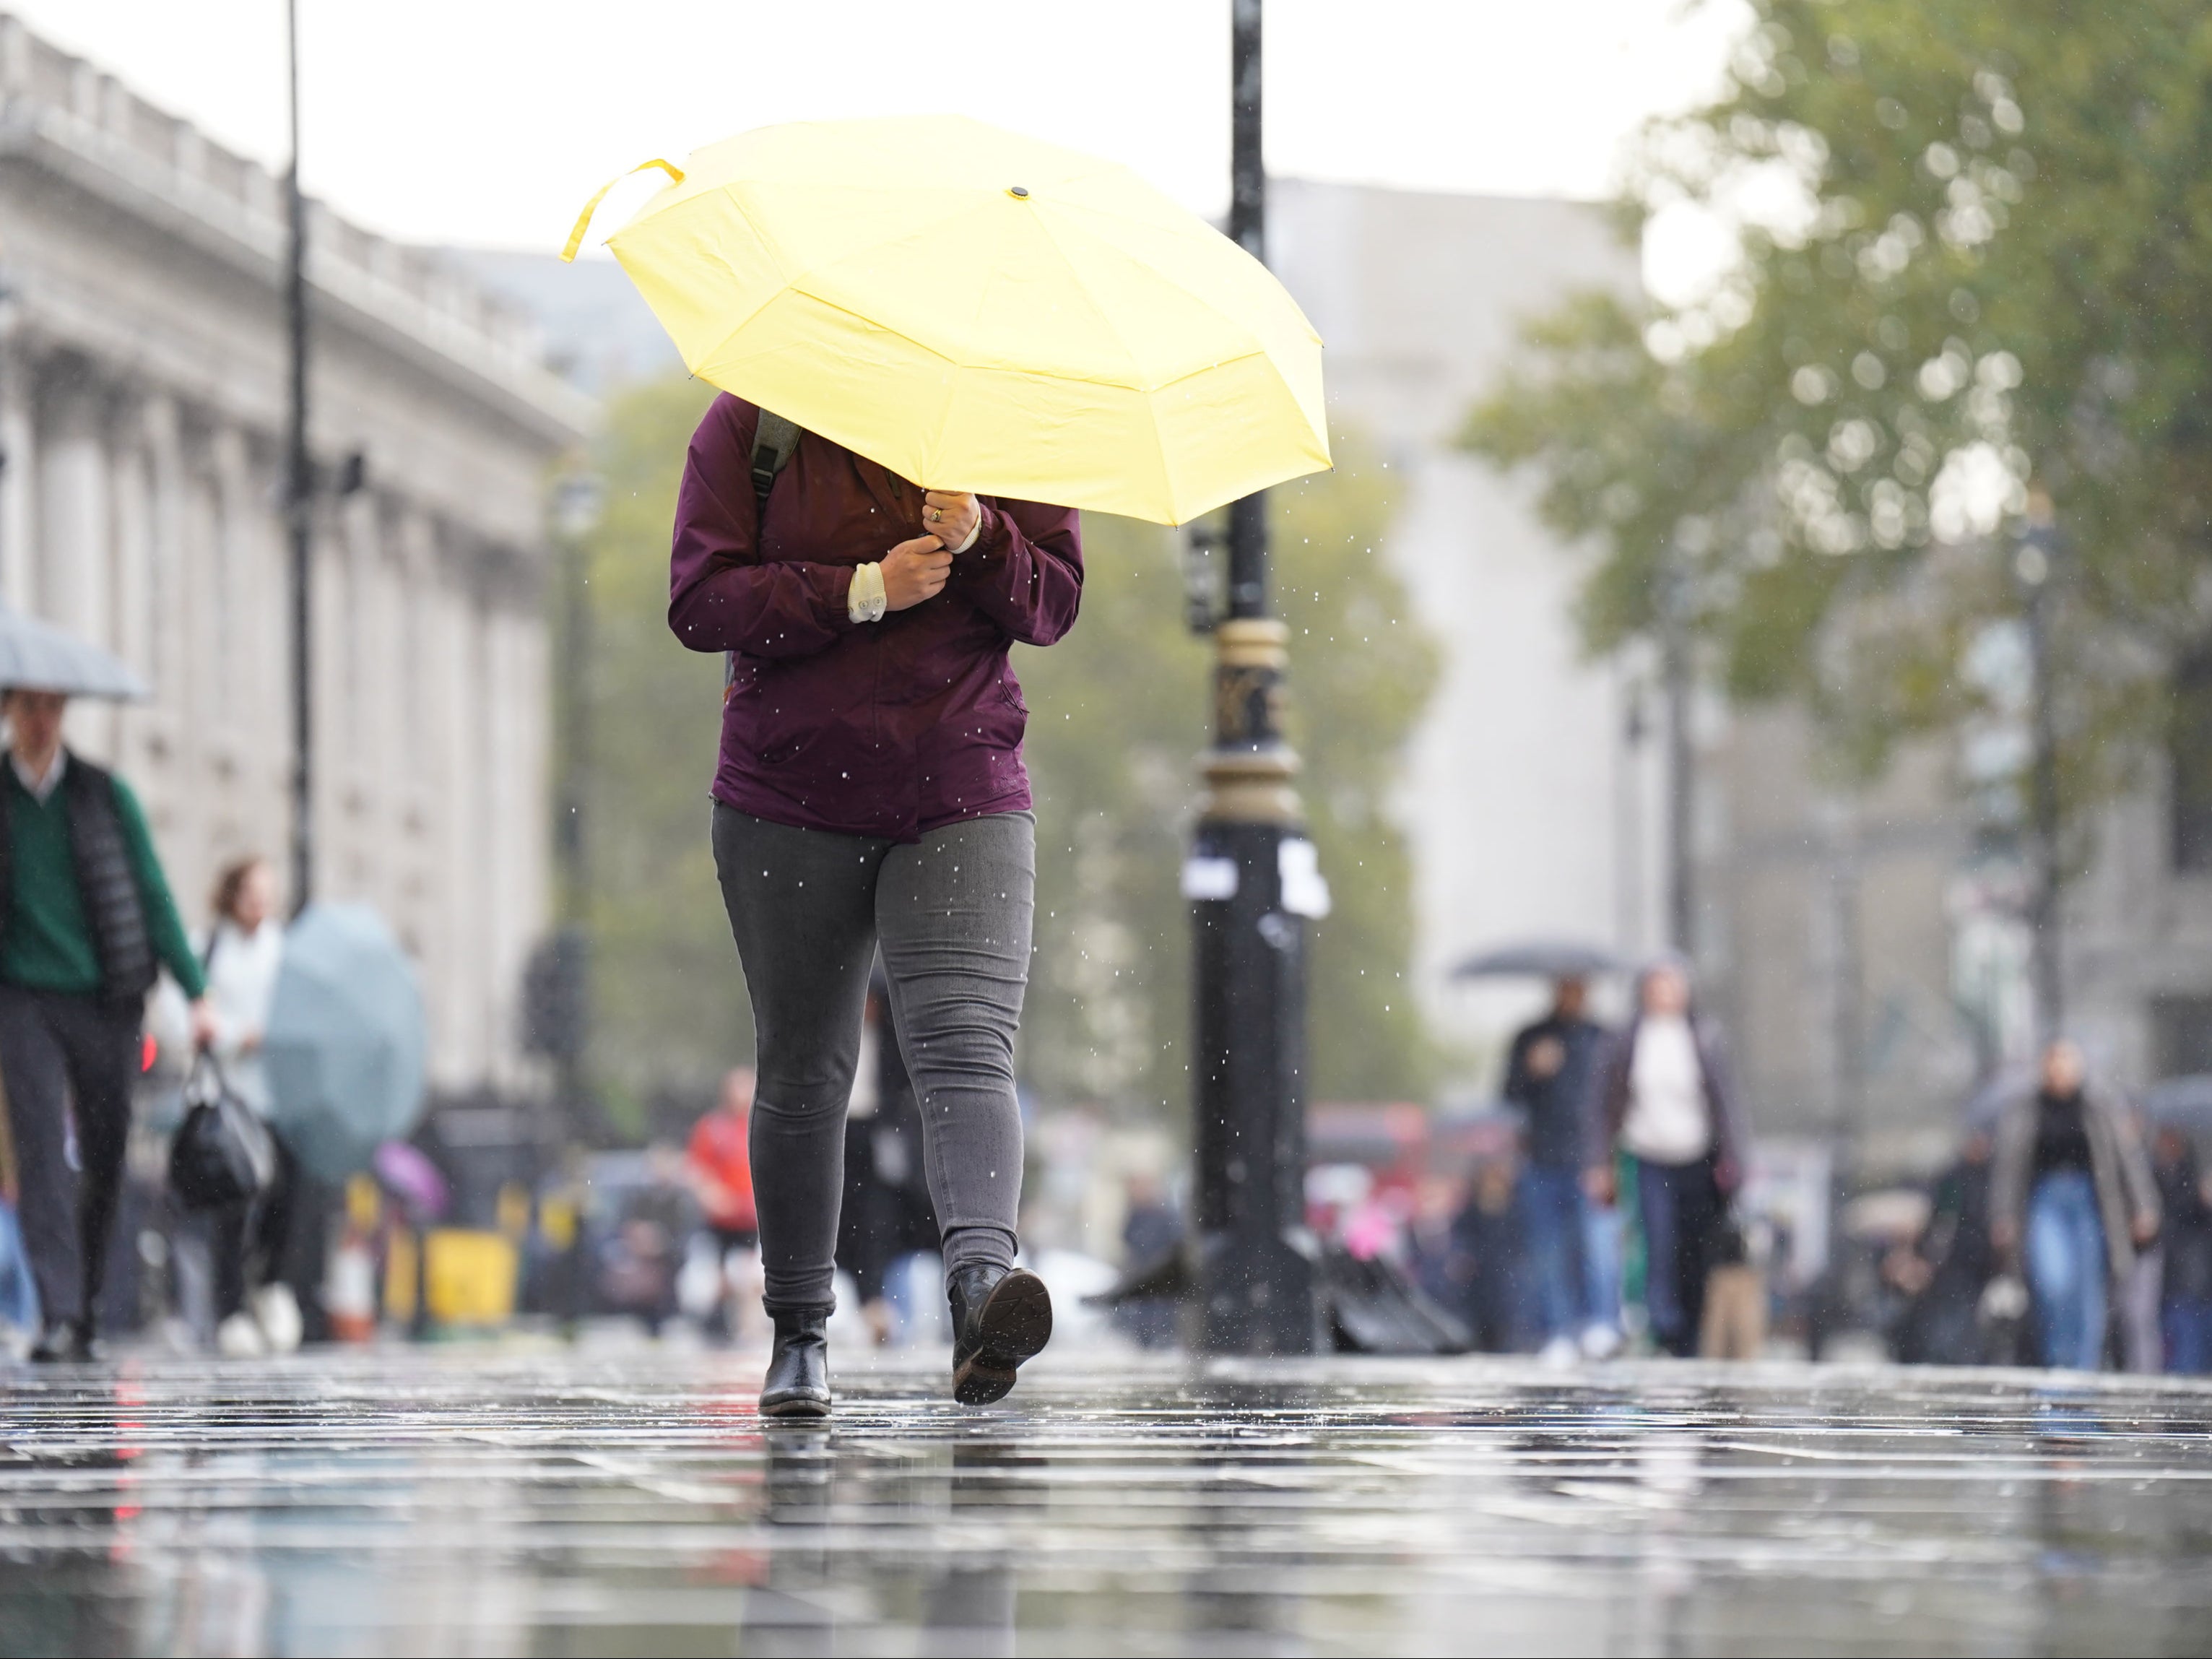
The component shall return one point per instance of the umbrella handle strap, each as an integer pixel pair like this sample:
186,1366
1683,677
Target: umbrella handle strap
584,219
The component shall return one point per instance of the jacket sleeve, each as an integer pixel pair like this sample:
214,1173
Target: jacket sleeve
722,595
2136,1180
1609,1107
1025,571
1732,1136
164,927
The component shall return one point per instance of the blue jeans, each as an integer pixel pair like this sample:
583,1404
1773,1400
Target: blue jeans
1681,1210
19,1297
2189,1336
2066,1269
1553,1203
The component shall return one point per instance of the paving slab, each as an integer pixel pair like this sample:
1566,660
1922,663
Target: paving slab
630,1502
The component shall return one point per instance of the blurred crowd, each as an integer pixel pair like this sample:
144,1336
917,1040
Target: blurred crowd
2071,1230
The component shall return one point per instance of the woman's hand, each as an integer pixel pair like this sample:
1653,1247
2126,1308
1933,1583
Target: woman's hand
950,515
915,571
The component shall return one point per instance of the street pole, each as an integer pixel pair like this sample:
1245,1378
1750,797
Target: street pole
1254,1273
2033,568
299,503
1681,780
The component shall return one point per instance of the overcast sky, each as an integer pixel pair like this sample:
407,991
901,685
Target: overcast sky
490,121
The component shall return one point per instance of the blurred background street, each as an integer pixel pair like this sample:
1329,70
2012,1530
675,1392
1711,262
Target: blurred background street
1753,650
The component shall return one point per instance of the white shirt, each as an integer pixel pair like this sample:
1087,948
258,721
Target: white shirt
41,788
241,984
1668,1120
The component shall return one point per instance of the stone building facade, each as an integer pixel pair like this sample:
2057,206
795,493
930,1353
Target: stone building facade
142,409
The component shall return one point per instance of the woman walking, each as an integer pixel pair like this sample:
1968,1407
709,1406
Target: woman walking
257,1310
2072,1199
1664,1099
871,794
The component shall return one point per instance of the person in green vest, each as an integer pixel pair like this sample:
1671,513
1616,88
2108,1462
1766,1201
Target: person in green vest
86,924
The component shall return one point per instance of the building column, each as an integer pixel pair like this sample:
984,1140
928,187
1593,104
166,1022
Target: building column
75,585
19,475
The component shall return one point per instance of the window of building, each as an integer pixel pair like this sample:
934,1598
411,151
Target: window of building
2190,746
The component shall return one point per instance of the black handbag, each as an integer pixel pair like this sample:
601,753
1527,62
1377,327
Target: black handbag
222,1153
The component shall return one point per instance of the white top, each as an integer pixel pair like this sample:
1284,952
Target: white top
1668,1120
241,980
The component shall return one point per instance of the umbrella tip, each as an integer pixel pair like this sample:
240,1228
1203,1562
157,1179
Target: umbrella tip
1018,189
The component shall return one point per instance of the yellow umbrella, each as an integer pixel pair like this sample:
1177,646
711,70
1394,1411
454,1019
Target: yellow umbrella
975,310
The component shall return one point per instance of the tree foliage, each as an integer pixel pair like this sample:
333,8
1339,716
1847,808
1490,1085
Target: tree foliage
1119,712
1976,270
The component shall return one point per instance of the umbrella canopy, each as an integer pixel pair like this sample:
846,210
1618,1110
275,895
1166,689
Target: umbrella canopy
1541,959
975,310
2184,1102
37,656
344,1048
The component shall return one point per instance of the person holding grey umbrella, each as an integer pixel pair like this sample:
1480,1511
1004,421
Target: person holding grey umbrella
86,922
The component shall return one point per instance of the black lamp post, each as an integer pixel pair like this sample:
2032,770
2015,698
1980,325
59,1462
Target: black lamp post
300,501
1252,883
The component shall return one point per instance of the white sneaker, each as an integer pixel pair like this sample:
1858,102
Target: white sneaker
277,1312
239,1337
1601,1342
1559,1352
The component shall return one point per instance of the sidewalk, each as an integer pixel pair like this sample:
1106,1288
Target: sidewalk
480,1501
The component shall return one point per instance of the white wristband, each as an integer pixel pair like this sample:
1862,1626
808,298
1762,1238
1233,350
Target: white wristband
865,600
974,531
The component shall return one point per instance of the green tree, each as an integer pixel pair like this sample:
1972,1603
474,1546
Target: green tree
669,1002
1119,712
1976,272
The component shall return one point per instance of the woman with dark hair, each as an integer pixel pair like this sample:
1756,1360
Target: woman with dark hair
1664,1099
871,794
256,1310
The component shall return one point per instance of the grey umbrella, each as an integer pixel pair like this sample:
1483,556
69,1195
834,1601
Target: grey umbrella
2184,1102
1541,959
346,1038
37,656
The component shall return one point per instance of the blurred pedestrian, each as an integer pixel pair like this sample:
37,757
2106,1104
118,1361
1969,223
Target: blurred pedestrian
18,1296
86,923
257,1306
1489,1236
887,1217
1946,1270
1151,1232
2072,1200
2185,1297
1549,1074
1665,1099
871,792
717,1165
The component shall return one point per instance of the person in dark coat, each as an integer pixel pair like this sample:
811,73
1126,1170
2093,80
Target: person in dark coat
1548,1075
1665,1098
1947,1269
2185,1295
887,1214
870,793
86,922
1488,1238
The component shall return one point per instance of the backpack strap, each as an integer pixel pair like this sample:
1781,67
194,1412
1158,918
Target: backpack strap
774,441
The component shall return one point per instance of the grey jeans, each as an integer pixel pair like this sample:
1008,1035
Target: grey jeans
951,914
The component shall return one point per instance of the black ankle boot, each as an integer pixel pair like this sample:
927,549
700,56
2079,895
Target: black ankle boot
797,1381
1000,1318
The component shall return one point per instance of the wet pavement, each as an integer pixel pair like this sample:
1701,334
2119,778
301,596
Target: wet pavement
631,1503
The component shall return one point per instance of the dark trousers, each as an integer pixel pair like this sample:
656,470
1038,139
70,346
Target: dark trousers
251,1245
1681,1211
67,1061
951,915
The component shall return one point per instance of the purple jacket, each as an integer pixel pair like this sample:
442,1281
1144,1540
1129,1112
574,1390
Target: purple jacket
891,728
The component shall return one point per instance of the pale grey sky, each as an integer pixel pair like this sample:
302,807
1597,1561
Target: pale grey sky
491,121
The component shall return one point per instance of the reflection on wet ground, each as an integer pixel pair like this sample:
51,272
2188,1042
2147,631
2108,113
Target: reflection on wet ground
548,1504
